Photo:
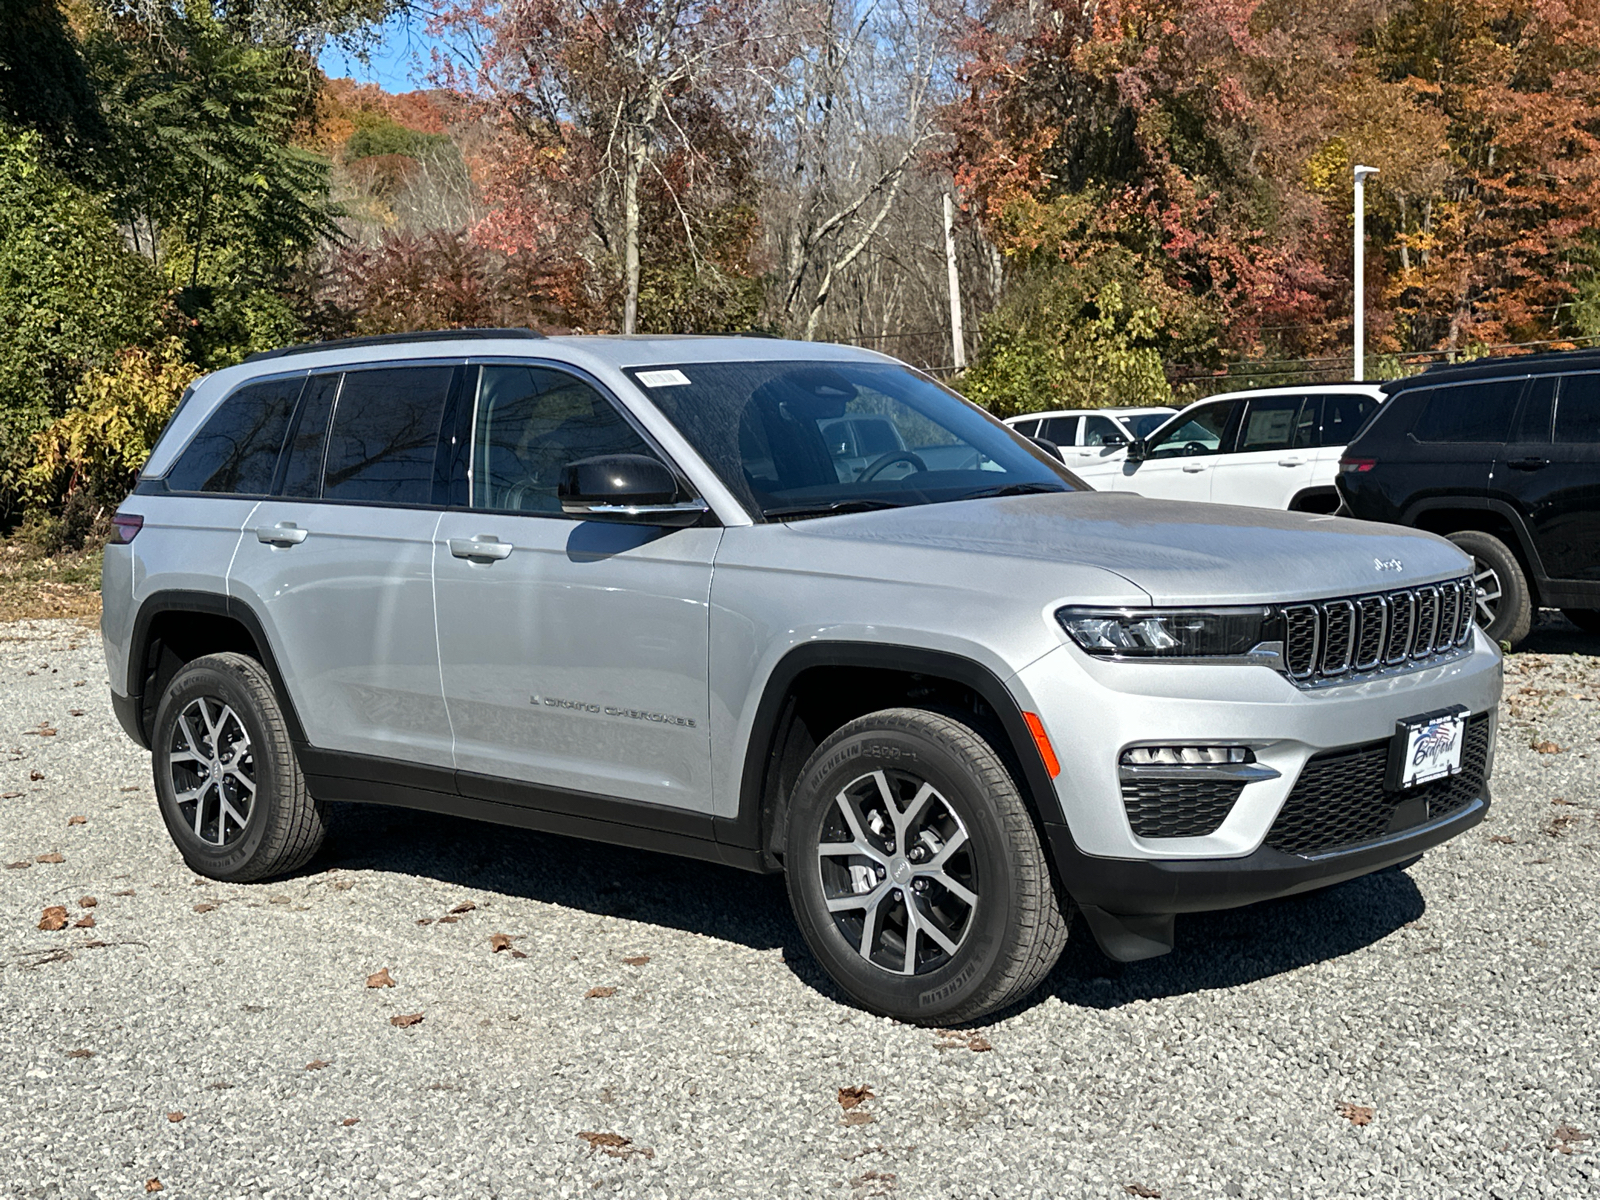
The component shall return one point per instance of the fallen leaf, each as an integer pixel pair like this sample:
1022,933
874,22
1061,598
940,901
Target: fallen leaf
1570,1133
1545,747
205,908
77,820
55,856
349,1121
87,902
152,1185
80,1053
615,1145
518,954
405,1022
465,906
978,1045
220,1085
381,979
44,729
55,917
316,1064
75,712
638,960
448,920
1139,1189
424,920
849,1097
599,993
134,788
1501,839
128,892
19,866
270,899
174,1117
342,885
9,795
1356,1114
84,922
859,1117
499,942
35,775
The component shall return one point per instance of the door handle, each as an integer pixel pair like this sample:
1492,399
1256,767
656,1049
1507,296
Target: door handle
485,547
1291,462
1193,468
1528,464
284,533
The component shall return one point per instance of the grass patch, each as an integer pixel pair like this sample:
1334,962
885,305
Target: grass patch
35,585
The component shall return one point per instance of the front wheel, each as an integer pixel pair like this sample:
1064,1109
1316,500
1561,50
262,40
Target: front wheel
227,780
915,873
1504,603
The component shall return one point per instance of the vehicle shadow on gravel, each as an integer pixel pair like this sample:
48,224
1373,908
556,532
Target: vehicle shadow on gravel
1241,945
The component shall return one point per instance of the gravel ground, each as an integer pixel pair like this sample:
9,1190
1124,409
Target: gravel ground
224,1040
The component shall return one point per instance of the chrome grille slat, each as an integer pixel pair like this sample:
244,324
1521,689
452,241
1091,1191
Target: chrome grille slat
1333,640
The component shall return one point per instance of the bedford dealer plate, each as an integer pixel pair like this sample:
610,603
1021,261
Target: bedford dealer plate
1426,748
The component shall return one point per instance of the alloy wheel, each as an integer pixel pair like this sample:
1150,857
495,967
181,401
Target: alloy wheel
213,771
898,874
1486,582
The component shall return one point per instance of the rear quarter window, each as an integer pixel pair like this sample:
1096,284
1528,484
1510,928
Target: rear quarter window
236,451
1578,410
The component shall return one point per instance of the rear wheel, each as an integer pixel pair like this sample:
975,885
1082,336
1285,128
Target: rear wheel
915,873
1586,619
227,781
1504,603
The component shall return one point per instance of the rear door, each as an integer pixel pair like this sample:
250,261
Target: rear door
1550,471
1458,432
339,564
1274,455
575,652
1180,457
1343,413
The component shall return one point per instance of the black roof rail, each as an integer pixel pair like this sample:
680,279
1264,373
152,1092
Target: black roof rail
394,339
1497,363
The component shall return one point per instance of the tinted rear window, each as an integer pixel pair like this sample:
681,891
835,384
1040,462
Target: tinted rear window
236,452
1578,410
384,435
302,475
1469,412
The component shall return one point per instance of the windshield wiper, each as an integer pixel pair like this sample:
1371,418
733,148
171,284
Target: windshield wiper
1015,489
829,510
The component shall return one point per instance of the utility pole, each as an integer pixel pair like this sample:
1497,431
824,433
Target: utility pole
958,344
1361,174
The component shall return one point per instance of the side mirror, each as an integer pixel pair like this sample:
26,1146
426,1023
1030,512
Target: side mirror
1049,447
625,487
1138,450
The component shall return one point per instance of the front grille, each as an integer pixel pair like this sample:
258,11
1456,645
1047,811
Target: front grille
1346,638
1340,801
1169,808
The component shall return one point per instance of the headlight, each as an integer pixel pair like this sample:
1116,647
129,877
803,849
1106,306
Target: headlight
1171,632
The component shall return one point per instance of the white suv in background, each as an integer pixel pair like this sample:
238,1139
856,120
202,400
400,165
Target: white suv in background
1085,435
1270,448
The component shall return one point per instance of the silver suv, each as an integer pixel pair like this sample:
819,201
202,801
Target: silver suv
651,591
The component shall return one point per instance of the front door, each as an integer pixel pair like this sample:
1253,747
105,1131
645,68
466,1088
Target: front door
1181,455
338,565
574,652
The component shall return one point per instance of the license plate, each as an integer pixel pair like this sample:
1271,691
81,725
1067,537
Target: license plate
1426,748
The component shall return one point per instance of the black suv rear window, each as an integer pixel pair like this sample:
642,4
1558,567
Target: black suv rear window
1470,412
1578,410
236,452
384,435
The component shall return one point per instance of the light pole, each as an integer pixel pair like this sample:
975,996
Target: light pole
1361,174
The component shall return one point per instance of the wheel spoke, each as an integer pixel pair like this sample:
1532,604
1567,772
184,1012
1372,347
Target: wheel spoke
869,929
200,806
937,862
908,965
227,810
188,736
241,777
930,926
959,891
851,902
913,811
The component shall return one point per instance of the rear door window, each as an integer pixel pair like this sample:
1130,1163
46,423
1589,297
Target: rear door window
236,452
1469,412
385,435
1063,431
1533,422
1578,410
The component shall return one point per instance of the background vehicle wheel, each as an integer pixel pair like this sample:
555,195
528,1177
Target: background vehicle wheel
1505,606
915,873
1586,619
229,786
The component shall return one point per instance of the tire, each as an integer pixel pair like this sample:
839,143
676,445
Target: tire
1505,606
986,891
1586,619
220,717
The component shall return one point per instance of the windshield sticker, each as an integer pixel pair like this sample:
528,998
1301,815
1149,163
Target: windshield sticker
655,379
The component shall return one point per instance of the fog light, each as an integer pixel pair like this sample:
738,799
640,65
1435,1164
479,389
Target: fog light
1186,756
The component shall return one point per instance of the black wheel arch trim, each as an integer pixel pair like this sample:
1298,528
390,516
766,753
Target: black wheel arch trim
752,829
1526,548
212,604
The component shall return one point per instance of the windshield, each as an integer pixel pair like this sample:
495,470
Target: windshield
793,439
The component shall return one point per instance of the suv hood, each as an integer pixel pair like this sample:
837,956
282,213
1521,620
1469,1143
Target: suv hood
1176,551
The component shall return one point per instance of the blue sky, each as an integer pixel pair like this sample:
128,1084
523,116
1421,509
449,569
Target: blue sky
400,61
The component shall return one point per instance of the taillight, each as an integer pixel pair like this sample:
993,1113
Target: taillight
125,527
1357,465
